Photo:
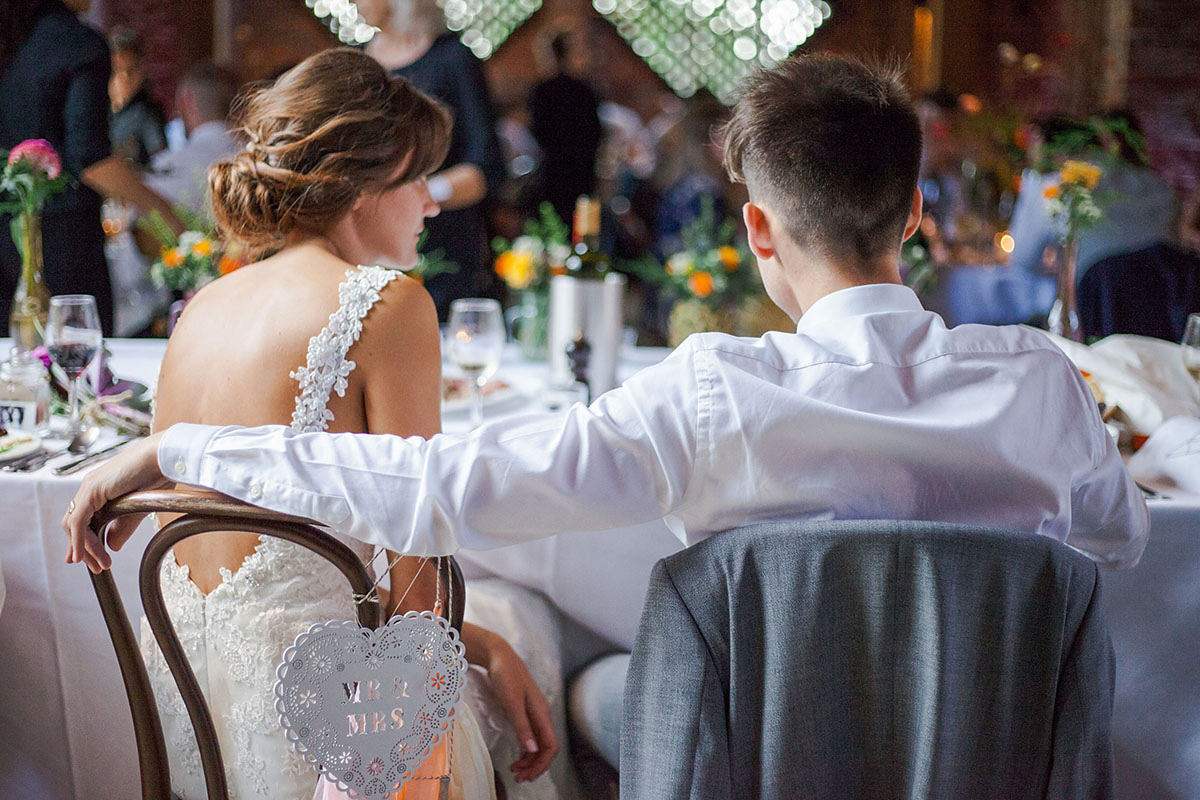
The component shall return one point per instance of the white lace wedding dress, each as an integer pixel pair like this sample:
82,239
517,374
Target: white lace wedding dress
235,636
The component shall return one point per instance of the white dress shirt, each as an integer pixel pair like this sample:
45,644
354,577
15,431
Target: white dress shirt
872,409
181,176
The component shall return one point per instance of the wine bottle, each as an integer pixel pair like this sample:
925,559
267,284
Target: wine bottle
587,260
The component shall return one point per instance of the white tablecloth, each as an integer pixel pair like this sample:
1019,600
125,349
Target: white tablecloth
65,730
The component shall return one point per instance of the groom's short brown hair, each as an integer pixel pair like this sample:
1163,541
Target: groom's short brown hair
833,145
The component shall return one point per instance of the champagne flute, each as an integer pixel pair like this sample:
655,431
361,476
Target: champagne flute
73,336
1190,347
476,342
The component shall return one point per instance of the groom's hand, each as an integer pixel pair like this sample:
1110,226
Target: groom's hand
133,469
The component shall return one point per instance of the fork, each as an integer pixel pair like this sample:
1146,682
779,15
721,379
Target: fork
32,461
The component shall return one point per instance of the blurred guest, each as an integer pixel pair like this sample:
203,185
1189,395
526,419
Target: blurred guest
941,177
689,174
413,41
54,74
1138,207
566,123
203,99
137,128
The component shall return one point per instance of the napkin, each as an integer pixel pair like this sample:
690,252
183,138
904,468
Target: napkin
1144,376
1170,458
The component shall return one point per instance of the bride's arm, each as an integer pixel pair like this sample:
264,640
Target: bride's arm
400,355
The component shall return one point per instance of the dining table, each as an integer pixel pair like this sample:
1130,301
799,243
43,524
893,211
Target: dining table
65,729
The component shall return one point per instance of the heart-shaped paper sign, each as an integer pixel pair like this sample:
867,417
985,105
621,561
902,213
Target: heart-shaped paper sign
366,707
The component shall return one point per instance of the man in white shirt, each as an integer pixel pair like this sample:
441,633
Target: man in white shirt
872,409
203,99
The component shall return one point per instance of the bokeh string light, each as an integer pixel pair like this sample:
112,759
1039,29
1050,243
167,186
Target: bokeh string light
692,44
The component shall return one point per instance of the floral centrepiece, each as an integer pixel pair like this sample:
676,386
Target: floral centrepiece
192,259
526,266
1071,203
712,278
32,174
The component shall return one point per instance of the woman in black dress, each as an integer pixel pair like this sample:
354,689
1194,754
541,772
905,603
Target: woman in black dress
54,74
413,42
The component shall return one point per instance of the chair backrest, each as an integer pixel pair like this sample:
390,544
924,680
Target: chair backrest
204,512
1149,292
870,660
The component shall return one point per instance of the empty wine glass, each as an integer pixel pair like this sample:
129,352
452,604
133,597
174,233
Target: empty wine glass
476,342
73,336
1190,347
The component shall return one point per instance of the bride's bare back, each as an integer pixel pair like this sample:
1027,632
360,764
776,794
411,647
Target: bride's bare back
229,359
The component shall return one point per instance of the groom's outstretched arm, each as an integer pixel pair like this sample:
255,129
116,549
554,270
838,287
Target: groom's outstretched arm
623,461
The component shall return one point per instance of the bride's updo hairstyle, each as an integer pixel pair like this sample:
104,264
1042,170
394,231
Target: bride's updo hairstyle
327,130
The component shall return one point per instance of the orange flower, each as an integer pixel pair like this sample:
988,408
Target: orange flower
172,258
700,283
202,248
228,264
1050,192
729,257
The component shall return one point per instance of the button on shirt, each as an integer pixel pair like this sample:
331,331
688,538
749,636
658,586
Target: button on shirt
872,409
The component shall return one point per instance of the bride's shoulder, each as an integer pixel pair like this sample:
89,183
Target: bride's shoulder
404,313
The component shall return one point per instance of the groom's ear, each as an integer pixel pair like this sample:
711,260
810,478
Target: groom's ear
759,231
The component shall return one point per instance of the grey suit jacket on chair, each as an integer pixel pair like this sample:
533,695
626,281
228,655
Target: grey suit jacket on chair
870,660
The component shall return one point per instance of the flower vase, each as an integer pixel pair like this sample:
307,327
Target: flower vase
693,316
529,321
31,301
1064,314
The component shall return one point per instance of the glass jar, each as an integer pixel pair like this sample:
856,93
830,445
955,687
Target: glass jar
24,393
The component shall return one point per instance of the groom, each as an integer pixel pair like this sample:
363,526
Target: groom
872,409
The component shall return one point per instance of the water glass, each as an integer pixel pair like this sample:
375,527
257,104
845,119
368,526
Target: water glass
475,341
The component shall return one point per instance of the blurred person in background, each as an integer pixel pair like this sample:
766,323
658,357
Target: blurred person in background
1138,207
566,124
54,73
203,100
413,42
137,129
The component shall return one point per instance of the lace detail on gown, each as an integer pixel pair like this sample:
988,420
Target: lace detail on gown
235,635
328,368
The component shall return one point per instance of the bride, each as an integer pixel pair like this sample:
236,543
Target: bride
332,178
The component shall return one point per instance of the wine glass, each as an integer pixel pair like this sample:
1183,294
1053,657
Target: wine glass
1190,347
73,336
475,343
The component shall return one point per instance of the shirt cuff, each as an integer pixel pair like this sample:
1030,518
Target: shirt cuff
181,449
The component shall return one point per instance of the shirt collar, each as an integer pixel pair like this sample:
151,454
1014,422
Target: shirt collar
213,129
872,298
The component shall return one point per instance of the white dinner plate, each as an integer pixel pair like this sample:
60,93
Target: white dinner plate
496,392
17,443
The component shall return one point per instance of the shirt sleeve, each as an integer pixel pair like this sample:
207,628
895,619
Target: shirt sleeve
625,460
1109,518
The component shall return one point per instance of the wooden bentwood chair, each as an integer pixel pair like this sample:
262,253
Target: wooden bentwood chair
204,512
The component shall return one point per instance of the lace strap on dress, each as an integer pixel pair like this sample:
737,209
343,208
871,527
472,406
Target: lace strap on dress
327,367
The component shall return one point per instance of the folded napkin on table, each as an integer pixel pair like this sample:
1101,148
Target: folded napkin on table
1170,459
1144,376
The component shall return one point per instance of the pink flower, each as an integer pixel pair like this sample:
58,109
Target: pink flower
40,154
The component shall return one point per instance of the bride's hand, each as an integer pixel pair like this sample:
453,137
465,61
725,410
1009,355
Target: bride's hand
522,700
134,468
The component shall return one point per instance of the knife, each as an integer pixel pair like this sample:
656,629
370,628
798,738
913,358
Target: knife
95,455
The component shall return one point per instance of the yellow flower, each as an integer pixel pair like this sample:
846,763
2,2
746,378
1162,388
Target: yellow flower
729,257
516,268
1081,172
172,258
700,283
1050,192
680,264
202,248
